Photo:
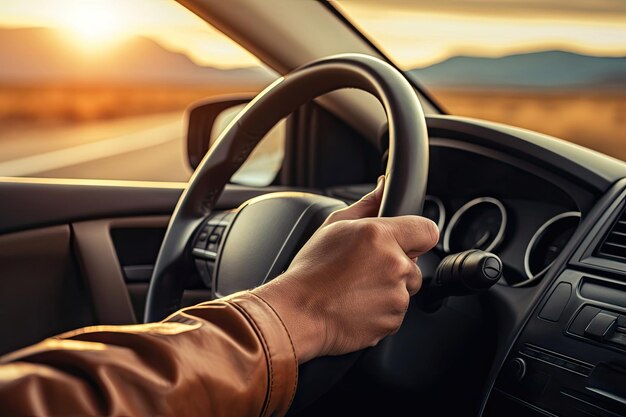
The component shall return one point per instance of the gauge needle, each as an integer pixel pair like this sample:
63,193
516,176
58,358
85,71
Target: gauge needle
484,238
553,249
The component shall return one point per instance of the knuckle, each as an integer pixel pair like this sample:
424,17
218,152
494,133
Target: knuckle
374,341
399,301
394,330
393,327
336,216
338,225
368,230
333,217
418,279
400,266
409,267
396,265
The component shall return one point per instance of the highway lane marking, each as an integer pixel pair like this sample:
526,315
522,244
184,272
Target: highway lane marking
92,151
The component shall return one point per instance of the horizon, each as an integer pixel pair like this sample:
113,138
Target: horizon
419,32
476,28
121,43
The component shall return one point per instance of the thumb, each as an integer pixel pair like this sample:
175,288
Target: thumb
367,206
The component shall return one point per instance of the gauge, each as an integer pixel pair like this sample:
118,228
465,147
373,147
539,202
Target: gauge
479,224
434,210
548,242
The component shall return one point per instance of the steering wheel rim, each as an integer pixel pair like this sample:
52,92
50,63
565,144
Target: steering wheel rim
406,171
405,189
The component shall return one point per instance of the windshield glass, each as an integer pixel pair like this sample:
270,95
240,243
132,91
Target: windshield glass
553,66
97,89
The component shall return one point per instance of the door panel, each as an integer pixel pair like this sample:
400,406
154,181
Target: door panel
101,268
116,257
65,260
41,293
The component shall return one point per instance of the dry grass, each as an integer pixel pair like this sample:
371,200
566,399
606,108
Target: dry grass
54,105
595,119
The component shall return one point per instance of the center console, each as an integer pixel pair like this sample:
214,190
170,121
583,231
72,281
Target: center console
570,357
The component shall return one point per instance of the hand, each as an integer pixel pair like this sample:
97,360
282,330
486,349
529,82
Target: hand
349,286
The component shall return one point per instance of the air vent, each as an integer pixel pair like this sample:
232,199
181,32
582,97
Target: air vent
614,244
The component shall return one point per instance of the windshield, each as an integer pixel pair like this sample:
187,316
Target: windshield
553,66
97,89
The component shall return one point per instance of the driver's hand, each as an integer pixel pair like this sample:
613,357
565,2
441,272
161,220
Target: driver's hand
349,286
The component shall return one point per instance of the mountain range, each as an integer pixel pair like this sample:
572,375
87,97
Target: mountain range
529,70
41,55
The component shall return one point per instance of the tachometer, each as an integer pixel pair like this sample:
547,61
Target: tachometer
479,224
548,242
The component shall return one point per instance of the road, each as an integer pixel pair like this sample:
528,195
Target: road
147,148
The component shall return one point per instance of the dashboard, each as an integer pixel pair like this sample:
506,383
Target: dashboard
528,337
561,306
502,227
495,204
553,330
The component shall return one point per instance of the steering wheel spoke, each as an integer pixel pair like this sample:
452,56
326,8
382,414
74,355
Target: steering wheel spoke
207,242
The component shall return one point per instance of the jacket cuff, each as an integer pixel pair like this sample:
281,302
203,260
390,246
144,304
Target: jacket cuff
279,351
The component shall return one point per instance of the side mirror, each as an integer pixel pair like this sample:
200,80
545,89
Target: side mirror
202,129
206,120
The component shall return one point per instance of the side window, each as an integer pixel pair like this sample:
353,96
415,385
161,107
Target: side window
97,89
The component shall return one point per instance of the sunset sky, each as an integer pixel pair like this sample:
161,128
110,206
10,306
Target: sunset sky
103,23
414,32
420,32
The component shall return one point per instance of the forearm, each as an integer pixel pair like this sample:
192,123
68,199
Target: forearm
232,357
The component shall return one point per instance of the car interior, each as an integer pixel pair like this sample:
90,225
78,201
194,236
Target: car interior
547,337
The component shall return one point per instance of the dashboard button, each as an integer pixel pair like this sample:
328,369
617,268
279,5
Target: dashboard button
619,339
555,305
583,319
601,326
515,369
202,238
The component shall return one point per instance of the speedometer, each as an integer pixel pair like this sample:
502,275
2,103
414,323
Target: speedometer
479,224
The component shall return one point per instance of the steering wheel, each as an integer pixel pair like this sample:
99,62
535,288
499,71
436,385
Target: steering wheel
266,232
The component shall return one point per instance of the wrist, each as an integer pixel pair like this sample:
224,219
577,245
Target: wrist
300,315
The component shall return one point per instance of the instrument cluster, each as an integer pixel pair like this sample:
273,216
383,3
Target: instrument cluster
485,223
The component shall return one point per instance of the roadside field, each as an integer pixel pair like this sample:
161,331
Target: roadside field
64,105
592,118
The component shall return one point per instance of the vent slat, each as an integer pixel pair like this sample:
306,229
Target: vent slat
615,239
614,244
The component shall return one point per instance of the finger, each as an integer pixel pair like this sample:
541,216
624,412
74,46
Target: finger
416,235
367,206
414,281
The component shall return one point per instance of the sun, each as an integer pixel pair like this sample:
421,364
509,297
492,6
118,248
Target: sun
94,24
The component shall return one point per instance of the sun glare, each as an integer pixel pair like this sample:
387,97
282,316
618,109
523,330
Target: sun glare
94,24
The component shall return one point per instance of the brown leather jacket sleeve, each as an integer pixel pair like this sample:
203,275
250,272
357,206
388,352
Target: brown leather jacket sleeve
231,357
